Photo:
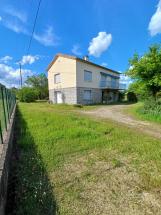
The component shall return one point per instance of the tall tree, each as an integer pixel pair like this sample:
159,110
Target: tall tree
146,69
40,83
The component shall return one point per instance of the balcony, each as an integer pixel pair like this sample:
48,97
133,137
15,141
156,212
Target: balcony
112,85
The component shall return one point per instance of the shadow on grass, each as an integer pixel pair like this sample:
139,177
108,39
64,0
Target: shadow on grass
30,190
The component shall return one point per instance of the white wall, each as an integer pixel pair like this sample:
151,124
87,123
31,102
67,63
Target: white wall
67,69
96,76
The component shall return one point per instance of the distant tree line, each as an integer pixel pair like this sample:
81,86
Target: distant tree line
35,88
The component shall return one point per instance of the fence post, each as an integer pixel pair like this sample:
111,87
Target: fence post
1,135
4,111
7,100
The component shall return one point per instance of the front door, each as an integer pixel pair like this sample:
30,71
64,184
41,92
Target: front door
59,99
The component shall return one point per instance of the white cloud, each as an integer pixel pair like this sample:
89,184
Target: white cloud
104,64
155,22
16,21
14,26
47,38
29,59
21,15
10,77
76,50
124,79
5,59
99,44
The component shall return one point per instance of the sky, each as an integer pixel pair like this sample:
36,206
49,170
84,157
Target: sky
110,32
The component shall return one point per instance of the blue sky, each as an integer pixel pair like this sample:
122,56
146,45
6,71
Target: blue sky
109,31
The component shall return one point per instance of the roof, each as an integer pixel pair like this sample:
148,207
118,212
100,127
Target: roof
78,59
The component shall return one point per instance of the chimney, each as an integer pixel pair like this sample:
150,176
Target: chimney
86,57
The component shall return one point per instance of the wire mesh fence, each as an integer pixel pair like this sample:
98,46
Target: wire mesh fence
7,103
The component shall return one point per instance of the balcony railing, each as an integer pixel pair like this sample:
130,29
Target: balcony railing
112,85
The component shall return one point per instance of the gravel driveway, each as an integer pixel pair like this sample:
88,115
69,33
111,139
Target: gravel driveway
116,113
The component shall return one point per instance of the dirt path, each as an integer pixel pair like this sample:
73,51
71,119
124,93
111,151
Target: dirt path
115,113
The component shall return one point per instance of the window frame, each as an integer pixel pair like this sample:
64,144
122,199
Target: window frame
87,72
87,99
59,81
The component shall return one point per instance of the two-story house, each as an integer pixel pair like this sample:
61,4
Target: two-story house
73,80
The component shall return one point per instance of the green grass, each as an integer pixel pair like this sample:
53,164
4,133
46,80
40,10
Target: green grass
61,154
135,110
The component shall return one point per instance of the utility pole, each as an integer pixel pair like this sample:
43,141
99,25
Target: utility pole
20,75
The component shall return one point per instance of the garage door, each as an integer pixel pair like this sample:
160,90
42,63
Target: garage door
59,99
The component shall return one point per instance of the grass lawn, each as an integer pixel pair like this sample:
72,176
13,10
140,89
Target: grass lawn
72,164
135,110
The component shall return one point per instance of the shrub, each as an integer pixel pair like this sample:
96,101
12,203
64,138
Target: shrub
152,107
131,97
140,90
158,96
121,96
27,94
15,91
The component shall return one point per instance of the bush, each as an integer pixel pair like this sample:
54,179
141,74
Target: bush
15,91
27,94
158,96
131,97
152,107
121,96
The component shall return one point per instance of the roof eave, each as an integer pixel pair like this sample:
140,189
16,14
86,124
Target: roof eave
79,59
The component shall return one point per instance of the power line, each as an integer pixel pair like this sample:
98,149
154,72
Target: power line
31,37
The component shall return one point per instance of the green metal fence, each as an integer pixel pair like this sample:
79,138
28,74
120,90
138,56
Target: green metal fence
7,103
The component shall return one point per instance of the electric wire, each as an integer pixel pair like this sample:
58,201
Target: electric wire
34,25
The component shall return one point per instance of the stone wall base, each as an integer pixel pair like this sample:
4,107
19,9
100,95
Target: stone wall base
96,96
75,95
69,95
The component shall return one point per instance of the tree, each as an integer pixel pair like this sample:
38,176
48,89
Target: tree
14,90
139,89
131,97
40,83
27,94
146,69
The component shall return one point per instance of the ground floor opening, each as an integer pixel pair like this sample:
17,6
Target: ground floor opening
83,95
109,96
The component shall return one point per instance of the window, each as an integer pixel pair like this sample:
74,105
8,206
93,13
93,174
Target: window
113,83
103,81
57,78
103,78
87,95
87,75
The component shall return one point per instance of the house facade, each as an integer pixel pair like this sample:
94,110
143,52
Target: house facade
73,80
